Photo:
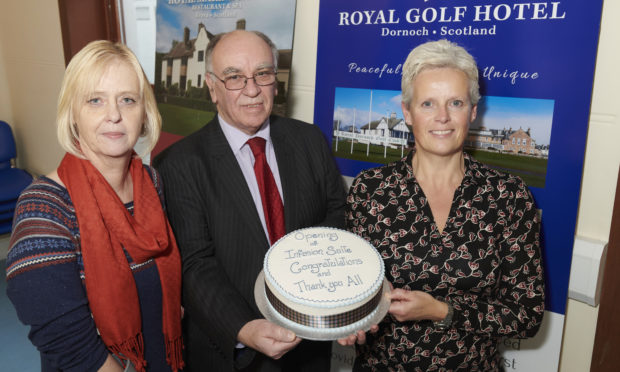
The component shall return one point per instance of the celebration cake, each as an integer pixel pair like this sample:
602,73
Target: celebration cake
324,283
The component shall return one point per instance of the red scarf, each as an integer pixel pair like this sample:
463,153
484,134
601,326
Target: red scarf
106,227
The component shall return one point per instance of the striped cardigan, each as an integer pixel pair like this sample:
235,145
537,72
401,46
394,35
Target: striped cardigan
45,282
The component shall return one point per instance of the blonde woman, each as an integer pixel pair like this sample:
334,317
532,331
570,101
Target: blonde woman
460,240
93,267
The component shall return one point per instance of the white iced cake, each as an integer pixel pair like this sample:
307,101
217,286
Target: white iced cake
323,278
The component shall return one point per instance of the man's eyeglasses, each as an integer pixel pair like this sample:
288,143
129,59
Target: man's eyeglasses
237,81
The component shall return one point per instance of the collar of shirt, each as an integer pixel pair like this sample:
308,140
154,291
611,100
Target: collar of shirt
237,138
472,173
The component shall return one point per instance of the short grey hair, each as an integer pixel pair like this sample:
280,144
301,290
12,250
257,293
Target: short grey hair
437,54
217,38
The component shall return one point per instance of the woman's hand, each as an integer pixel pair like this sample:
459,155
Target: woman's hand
359,337
416,305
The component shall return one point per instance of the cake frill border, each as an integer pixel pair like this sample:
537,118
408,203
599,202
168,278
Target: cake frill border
324,321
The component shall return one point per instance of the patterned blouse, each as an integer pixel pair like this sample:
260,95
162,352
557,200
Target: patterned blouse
486,263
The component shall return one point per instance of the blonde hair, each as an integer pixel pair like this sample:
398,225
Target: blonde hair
437,54
82,76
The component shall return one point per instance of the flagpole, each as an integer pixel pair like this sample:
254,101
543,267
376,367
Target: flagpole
387,120
353,127
338,128
369,116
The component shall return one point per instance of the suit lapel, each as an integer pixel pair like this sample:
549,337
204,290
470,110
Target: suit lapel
232,179
285,156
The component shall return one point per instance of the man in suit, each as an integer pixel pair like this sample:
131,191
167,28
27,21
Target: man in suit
216,209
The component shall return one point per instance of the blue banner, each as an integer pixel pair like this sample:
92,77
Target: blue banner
536,62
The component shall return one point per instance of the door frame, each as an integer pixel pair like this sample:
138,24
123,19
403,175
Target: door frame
605,355
82,21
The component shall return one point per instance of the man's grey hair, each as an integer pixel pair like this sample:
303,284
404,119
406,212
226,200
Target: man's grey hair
217,38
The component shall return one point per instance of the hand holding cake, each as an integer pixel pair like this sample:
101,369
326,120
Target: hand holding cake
268,338
416,305
358,337
405,305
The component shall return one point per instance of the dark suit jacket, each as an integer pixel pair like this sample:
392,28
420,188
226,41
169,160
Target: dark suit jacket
222,241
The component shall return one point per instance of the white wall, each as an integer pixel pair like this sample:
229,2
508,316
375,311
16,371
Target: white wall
33,64
598,187
139,35
5,97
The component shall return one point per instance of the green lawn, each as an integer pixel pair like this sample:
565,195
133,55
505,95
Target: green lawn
375,154
531,170
534,165
182,121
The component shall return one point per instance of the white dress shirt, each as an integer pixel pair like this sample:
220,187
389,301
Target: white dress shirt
238,143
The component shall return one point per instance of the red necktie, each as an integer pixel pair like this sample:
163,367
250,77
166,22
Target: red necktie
270,197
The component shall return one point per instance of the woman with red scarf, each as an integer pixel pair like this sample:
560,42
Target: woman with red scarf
93,266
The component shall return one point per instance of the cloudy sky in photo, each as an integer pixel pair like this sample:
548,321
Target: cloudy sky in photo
354,103
275,18
515,113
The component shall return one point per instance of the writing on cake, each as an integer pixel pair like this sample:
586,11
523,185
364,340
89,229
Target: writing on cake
331,285
323,278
